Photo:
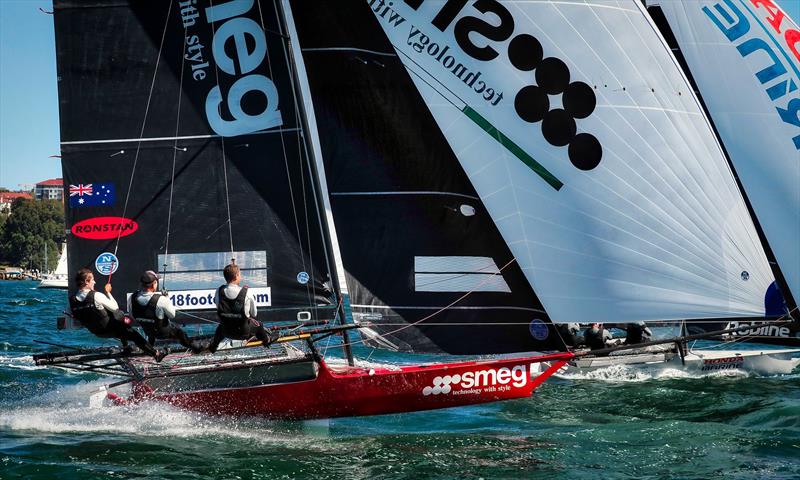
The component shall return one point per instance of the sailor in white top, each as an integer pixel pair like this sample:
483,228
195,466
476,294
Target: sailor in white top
100,314
154,311
237,312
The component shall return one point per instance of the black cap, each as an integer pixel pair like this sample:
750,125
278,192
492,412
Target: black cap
148,277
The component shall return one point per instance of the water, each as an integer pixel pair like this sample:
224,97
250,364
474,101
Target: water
631,427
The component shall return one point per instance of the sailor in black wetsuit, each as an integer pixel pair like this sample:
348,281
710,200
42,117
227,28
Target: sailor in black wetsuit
154,313
236,309
569,334
100,314
637,333
597,337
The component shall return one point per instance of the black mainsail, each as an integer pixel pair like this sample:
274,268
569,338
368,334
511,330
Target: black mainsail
183,149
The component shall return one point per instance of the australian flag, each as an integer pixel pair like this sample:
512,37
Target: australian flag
91,195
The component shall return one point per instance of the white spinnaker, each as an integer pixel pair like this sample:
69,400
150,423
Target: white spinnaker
725,58
657,230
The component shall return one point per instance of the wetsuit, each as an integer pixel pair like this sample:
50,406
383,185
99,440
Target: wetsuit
635,334
568,332
99,322
235,321
596,340
156,326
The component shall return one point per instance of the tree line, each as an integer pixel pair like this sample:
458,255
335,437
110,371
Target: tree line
30,226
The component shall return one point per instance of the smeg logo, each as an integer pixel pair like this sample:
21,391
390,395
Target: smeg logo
532,102
480,35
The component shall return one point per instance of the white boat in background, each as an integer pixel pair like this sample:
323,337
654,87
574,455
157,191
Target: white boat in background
696,362
60,276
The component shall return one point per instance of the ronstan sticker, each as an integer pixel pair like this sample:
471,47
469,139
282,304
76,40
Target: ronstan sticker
104,228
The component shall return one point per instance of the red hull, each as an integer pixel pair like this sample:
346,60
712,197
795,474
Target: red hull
359,391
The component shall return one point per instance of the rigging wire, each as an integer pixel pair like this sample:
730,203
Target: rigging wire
309,285
446,307
144,124
174,161
224,157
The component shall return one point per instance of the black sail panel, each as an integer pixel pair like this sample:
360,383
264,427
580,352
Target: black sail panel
182,149
424,261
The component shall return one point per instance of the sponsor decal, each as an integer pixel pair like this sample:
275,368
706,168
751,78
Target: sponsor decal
91,195
539,329
302,278
104,228
106,263
239,48
774,48
727,363
480,381
451,41
203,299
758,330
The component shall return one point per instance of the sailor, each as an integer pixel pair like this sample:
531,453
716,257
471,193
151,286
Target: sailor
154,311
637,333
236,309
597,337
569,333
101,315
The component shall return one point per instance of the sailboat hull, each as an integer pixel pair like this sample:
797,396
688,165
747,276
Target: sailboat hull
698,362
313,389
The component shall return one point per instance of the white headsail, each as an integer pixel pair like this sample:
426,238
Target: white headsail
744,57
590,151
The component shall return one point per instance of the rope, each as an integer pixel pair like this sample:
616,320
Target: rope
174,161
224,158
144,124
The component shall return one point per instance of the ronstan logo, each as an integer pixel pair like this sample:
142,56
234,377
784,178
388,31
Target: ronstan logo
104,228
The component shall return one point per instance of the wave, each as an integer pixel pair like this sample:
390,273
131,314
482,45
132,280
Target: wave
624,373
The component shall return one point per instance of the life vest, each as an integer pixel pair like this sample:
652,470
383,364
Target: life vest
93,319
635,334
594,340
231,312
148,310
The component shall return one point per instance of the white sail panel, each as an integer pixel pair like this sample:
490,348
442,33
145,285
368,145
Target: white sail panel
744,60
585,143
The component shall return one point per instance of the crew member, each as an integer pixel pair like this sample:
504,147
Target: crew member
154,312
236,309
569,333
637,333
100,314
597,337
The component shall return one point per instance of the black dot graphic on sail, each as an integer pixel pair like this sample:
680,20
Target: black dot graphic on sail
532,102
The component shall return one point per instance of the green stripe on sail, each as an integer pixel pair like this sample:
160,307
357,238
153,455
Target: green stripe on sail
512,147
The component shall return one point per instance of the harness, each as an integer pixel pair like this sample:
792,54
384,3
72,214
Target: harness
96,321
594,340
147,312
231,312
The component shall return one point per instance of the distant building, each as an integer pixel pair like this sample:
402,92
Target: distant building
7,198
52,189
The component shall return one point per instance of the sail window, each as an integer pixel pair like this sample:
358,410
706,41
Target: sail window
185,271
458,274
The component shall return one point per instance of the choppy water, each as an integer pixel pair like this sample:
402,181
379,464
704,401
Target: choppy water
631,427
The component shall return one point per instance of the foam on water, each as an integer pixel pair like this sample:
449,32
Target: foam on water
624,373
67,411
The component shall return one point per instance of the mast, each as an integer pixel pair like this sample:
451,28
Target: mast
306,110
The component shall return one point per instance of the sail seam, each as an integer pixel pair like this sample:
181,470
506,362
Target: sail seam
419,192
347,49
158,139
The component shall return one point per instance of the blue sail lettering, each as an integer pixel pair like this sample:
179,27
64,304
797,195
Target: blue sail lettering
737,29
771,72
249,55
734,29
